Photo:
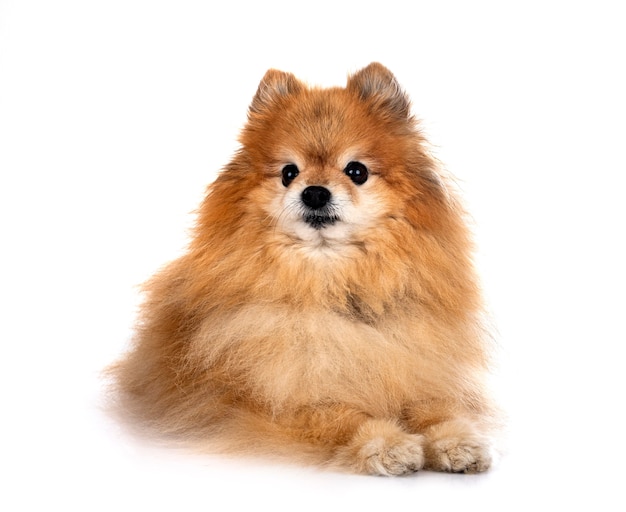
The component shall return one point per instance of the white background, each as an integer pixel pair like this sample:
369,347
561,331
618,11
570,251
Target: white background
114,115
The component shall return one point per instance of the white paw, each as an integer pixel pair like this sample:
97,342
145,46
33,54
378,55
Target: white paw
459,456
392,457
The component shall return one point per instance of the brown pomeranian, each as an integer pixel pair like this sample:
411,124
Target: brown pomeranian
326,308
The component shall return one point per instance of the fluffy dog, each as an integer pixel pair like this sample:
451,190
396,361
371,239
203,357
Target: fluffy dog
326,308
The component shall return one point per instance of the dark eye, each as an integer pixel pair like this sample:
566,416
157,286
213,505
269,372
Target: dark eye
357,172
290,171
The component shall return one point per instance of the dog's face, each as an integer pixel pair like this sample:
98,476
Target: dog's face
333,161
327,204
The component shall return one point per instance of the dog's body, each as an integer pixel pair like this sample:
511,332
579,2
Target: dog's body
327,303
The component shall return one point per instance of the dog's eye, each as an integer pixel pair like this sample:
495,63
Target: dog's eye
290,171
357,172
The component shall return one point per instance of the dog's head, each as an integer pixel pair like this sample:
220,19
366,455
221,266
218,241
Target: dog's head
331,166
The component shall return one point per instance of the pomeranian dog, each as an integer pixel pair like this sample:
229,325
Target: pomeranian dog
326,308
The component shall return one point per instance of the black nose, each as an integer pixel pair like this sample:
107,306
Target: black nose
315,197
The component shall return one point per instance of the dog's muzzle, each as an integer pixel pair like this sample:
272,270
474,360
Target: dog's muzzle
317,201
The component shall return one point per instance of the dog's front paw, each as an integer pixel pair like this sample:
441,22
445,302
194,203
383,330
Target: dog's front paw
381,447
392,457
458,456
457,446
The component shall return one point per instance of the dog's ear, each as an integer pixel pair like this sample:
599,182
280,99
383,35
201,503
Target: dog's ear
275,84
376,84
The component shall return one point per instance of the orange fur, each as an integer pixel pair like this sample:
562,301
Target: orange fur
357,345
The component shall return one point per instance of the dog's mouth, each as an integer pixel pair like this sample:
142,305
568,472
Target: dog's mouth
320,219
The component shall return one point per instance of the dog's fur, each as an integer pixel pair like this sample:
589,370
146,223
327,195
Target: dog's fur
354,341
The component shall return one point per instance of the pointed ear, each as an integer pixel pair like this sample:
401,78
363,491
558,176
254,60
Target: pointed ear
275,84
377,84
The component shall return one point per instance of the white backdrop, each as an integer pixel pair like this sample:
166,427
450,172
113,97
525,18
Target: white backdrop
114,115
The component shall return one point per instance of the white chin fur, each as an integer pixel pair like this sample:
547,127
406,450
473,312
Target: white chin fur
337,233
